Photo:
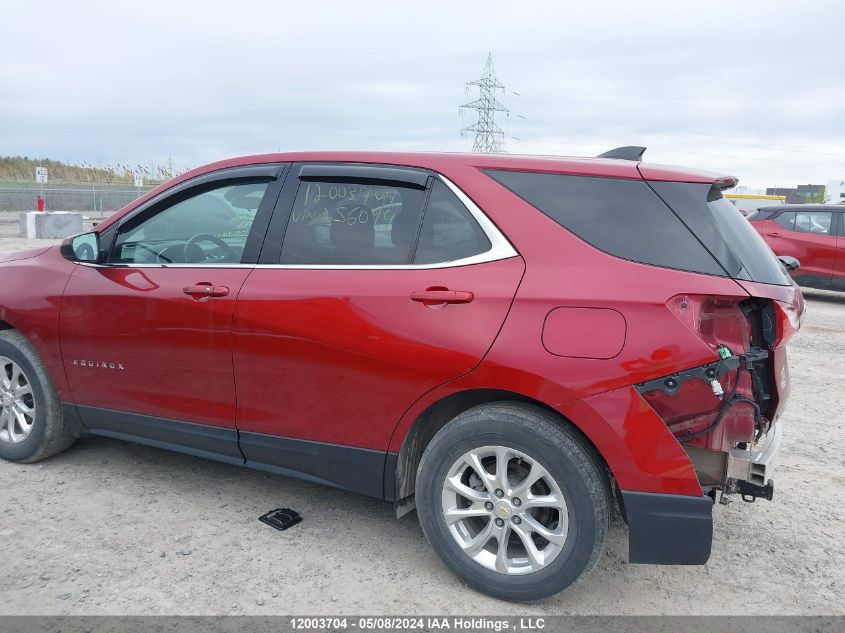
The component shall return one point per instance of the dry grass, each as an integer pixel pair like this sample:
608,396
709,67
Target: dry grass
22,169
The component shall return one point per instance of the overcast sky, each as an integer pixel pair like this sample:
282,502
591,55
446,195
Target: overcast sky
751,88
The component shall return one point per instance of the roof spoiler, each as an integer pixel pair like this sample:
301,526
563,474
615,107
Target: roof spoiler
629,152
727,182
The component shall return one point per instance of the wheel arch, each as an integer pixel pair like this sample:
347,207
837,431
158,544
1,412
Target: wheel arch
30,334
48,352
401,474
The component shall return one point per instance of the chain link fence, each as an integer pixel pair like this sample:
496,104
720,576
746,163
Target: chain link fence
94,199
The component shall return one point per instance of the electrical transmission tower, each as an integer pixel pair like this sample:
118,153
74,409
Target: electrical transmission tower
489,137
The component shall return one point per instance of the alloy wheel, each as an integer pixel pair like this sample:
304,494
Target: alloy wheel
17,403
505,510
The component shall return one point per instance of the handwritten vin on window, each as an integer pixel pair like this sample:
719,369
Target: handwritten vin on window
323,203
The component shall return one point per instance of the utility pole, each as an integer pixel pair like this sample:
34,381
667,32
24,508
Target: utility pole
489,137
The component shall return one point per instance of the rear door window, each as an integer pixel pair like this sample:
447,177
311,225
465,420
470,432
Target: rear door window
819,222
352,223
621,217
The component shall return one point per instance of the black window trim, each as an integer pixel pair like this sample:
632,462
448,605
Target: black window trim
837,229
405,176
602,176
274,173
399,175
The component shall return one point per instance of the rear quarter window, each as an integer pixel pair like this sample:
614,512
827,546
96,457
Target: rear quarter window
624,218
737,246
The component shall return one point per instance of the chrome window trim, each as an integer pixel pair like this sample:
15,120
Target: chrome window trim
147,265
500,248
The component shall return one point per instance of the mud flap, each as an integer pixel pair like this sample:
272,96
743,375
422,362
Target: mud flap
668,529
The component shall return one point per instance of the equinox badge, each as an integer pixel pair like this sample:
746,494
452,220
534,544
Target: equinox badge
99,364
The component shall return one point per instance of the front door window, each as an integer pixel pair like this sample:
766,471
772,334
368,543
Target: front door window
207,228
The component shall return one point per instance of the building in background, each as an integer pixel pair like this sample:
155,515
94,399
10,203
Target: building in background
835,193
802,194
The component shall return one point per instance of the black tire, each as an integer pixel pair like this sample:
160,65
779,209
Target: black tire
49,435
564,454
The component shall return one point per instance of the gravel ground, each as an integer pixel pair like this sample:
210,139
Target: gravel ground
113,528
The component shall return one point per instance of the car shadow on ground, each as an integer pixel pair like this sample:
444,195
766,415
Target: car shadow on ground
140,466
189,502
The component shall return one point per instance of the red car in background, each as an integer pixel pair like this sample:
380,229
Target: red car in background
814,234
508,344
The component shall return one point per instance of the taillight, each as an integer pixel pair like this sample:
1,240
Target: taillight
788,317
716,320
732,403
704,411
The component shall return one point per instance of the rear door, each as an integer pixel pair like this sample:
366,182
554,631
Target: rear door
361,304
808,236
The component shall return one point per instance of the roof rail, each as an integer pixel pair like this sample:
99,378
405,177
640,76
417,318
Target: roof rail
629,152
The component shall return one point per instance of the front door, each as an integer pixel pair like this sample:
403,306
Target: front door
368,305
146,335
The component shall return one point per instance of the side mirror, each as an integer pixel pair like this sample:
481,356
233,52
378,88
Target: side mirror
790,263
82,248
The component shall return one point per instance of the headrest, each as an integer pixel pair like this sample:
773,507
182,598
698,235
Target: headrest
356,237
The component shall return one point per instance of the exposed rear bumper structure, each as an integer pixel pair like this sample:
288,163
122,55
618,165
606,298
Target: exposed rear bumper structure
677,529
756,466
668,529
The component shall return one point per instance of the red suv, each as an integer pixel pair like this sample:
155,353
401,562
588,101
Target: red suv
504,343
814,234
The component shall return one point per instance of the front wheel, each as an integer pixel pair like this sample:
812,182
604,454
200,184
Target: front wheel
32,426
513,500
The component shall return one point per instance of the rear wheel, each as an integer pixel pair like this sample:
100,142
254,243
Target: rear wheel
32,426
513,500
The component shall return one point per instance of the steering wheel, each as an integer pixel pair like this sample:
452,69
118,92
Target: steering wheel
193,244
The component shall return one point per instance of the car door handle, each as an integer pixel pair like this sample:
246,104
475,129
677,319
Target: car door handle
205,289
442,296
773,234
